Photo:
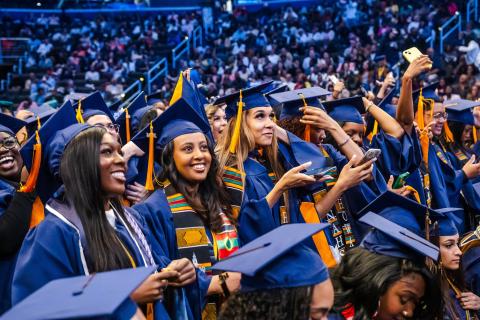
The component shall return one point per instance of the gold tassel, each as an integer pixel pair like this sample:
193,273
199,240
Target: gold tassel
38,213
79,112
31,182
151,150
424,139
448,132
127,125
306,136
474,131
374,131
238,124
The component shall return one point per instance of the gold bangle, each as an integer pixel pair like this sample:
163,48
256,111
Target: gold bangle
369,106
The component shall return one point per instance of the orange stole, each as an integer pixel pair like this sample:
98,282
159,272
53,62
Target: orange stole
309,214
38,213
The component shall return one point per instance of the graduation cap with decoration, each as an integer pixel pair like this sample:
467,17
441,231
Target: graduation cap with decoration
179,119
346,110
35,158
103,295
6,104
240,101
278,259
90,106
125,120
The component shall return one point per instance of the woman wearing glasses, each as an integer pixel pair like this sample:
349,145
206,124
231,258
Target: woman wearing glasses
15,206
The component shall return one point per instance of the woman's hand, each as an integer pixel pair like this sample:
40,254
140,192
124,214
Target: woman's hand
293,178
317,117
136,193
152,288
419,65
186,272
351,176
130,149
233,281
469,301
403,191
471,169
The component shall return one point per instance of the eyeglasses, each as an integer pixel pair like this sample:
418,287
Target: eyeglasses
9,143
110,127
440,115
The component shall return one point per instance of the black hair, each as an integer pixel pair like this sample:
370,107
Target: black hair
213,198
80,173
281,304
363,277
149,116
455,276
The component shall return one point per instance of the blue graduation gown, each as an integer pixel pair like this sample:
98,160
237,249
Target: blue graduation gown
158,217
471,269
443,173
398,155
54,250
137,170
7,264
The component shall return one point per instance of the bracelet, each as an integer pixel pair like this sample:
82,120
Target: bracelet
344,142
223,284
369,106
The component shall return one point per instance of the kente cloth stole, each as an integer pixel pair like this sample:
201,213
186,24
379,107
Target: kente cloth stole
440,151
340,227
232,179
192,239
460,155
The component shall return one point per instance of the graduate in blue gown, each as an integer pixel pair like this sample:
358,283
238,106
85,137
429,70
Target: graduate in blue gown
372,279
68,241
17,212
335,193
188,213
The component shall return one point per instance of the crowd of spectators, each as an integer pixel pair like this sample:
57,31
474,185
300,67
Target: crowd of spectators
70,54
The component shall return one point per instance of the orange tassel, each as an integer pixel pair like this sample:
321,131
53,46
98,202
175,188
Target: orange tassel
306,135
374,131
424,139
78,114
127,125
31,182
38,213
151,150
474,132
448,132
238,123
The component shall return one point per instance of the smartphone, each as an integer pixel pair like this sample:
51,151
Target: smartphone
400,181
369,155
411,54
318,173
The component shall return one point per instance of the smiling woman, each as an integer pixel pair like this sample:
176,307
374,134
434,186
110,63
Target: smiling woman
87,228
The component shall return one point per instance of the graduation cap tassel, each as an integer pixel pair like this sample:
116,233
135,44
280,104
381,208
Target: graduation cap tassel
127,125
307,126
31,182
78,114
448,132
238,123
474,132
151,150
424,140
374,130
